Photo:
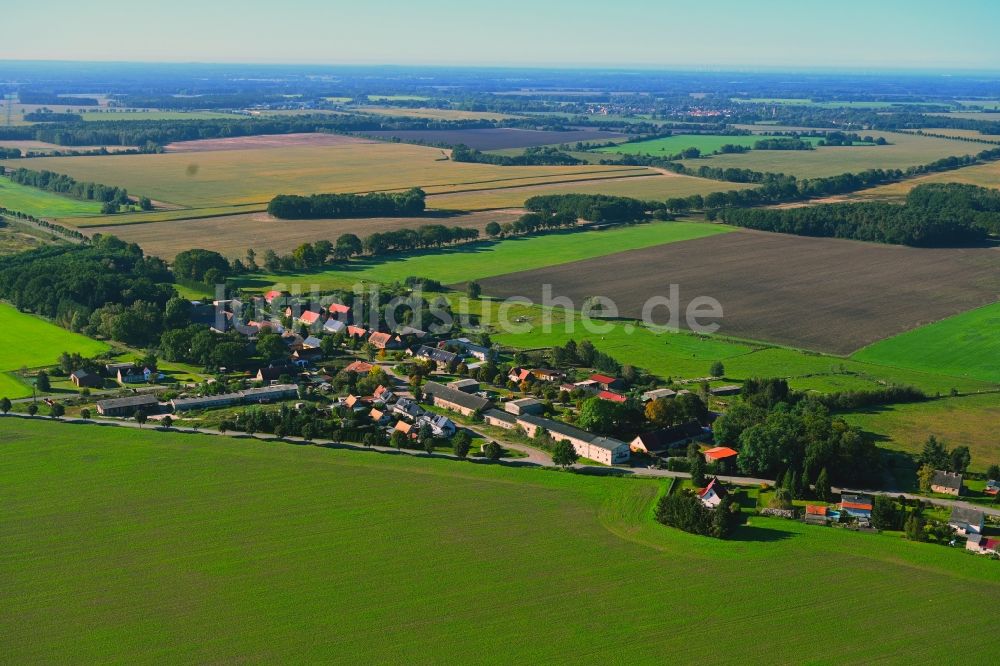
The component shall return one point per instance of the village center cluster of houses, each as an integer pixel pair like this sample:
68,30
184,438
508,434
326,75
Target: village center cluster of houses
403,414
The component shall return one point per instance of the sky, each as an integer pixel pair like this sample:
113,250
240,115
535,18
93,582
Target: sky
869,34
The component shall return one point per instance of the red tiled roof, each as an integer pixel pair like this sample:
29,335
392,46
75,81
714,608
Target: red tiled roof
602,379
611,396
359,367
815,510
720,452
856,505
309,317
356,331
271,295
380,339
338,308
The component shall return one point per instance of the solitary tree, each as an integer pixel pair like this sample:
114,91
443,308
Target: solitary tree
84,413
564,454
168,421
993,473
925,475
461,443
5,404
492,450
140,417
473,290
57,410
32,409
717,369
42,381
428,444
398,439
960,459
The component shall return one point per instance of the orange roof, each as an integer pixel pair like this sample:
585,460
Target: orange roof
271,295
359,367
856,505
338,308
611,397
376,414
403,426
720,452
815,510
602,379
309,317
380,339
356,331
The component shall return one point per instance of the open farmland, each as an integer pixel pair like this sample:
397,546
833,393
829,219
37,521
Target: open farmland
153,114
966,345
244,547
969,420
473,261
30,146
904,150
256,141
432,114
231,177
233,234
983,175
672,145
47,341
821,294
41,203
495,139
684,355
650,187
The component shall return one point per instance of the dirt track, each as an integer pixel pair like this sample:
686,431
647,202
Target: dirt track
815,293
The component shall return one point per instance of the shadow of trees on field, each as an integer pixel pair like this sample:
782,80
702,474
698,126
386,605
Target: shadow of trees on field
760,534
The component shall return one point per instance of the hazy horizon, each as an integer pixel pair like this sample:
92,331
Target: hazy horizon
917,35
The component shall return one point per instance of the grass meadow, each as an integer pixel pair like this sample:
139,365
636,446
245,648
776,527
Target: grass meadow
485,259
969,420
41,203
966,345
236,177
27,341
684,355
146,546
983,175
671,145
904,150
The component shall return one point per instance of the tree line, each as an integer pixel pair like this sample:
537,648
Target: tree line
69,186
592,207
374,204
534,156
939,219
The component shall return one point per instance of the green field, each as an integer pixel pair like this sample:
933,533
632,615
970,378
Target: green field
963,421
40,203
27,341
800,101
480,260
122,545
903,150
672,145
684,356
966,345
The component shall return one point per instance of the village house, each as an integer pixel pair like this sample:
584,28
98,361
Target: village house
524,406
441,357
357,332
339,311
385,341
719,453
817,514
311,342
275,297
407,429
611,396
127,406
587,445
457,401
441,425
379,417
464,385
966,520
360,367
518,375
656,394
730,389
660,442
607,383
468,348
946,483
83,379
546,375
856,505
713,493
495,417
133,375
274,372
334,326
981,545
407,408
